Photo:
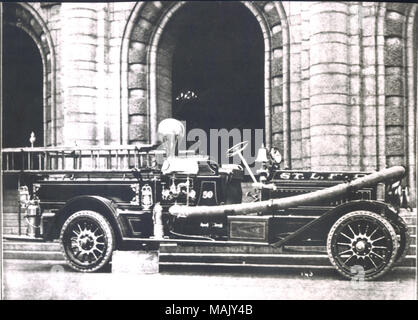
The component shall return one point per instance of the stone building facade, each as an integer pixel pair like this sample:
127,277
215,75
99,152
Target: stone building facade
340,78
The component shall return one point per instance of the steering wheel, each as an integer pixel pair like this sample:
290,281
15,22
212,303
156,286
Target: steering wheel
237,148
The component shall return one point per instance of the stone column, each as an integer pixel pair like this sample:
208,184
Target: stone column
329,86
117,113
295,130
356,84
78,72
102,83
372,85
54,136
394,112
305,86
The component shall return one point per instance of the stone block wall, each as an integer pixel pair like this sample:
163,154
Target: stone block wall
352,92
332,73
339,90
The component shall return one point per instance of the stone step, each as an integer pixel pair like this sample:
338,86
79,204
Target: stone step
10,200
11,215
209,258
55,263
8,204
50,251
262,259
14,230
410,217
32,255
411,221
31,246
10,194
16,245
13,223
55,246
9,209
9,191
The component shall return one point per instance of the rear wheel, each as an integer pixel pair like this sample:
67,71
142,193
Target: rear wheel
87,241
362,245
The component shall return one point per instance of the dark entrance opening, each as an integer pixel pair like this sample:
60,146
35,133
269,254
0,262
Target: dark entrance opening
22,89
218,68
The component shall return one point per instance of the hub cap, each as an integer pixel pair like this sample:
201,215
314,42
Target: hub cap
85,241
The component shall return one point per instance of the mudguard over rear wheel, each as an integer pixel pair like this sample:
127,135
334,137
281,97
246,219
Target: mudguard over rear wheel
404,237
87,241
362,245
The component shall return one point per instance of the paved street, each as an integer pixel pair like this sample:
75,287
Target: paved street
40,280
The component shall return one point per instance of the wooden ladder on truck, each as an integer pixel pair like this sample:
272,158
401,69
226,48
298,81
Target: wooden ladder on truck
70,159
16,162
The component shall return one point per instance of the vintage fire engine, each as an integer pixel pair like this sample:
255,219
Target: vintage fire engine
189,199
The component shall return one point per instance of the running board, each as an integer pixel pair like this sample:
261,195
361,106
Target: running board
194,241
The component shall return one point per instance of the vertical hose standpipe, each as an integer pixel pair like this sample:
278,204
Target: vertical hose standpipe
157,218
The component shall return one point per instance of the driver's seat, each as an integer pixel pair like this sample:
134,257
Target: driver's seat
233,171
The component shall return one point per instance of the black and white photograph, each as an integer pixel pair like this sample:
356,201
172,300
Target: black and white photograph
208,151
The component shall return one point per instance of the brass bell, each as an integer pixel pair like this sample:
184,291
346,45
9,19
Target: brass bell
262,155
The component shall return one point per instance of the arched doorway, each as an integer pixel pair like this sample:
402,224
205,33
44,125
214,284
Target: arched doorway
210,74
217,67
22,89
146,74
28,55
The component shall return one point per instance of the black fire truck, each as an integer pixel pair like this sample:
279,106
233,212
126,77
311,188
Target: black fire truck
102,200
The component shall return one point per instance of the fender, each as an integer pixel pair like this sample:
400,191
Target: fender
327,219
87,202
382,208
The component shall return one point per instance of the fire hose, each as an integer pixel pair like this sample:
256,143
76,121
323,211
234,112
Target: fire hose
389,174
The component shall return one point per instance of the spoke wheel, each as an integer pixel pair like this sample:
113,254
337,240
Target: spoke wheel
87,241
362,244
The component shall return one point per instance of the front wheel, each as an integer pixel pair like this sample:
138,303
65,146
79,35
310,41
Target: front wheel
87,241
362,245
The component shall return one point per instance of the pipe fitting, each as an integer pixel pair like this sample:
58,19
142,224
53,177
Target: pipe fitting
157,217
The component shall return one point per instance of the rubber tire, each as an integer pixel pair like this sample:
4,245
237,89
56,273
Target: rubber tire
109,236
388,226
402,231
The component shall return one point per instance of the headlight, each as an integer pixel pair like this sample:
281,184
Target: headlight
395,194
395,185
397,191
